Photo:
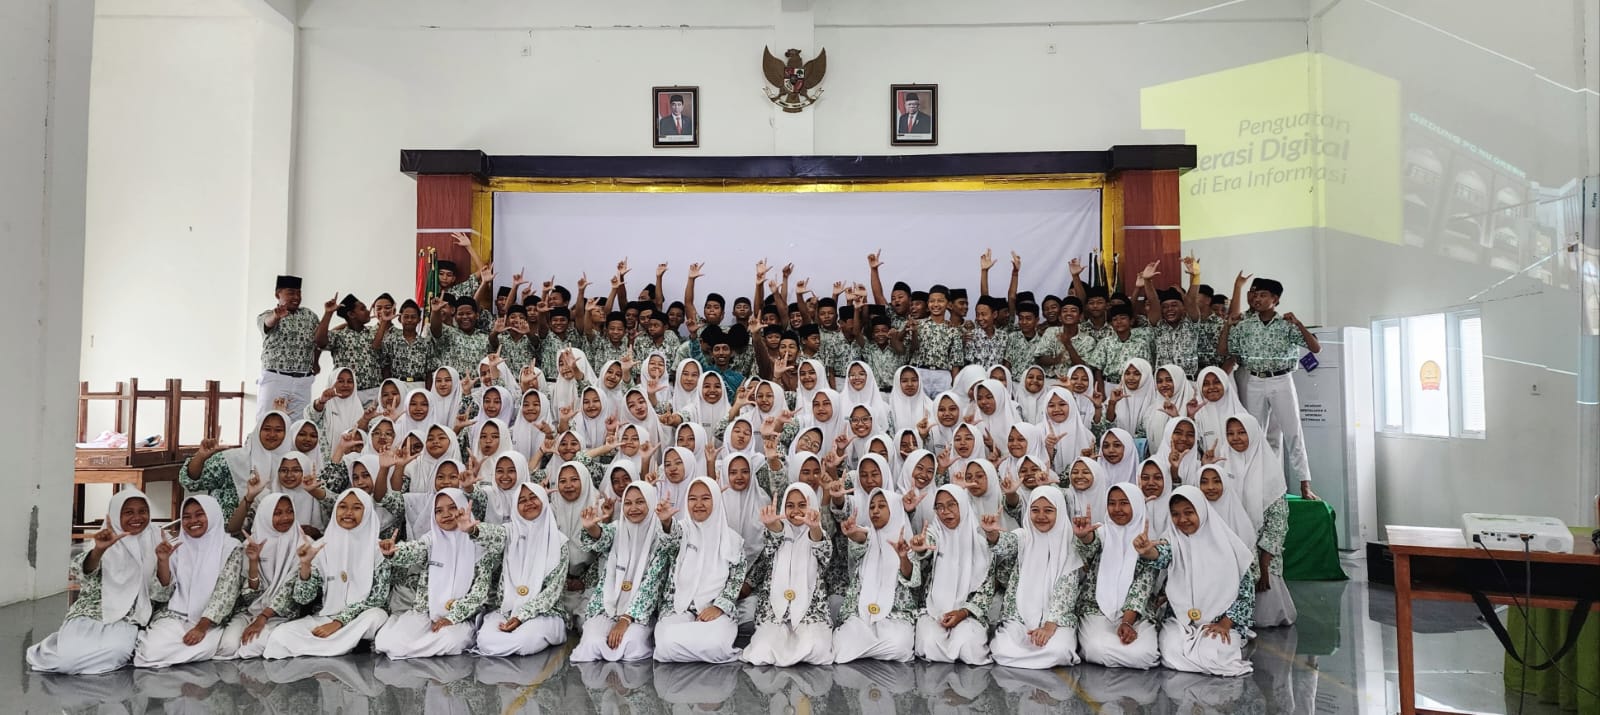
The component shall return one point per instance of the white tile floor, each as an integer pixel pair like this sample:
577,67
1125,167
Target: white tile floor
1338,659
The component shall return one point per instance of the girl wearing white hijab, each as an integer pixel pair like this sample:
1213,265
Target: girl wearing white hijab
532,581
340,409
346,572
622,605
1030,394
1211,589
825,412
1038,623
446,397
101,627
965,448
1119,456
862,424
1117,623
591,418
573,373
907,404
942,425
574,492
742,436
1156,488
1173,392
510,471
697,623
199,577
1067,434
861,387
416,412
289,479
224,474
1215,401
1128,402
742,499
1259,474
995,410
1081,383
710,405
966,379
494,403
482,440
438,446
531,427
678,468
458,559
811,377
792,624
635,410
1222,490
952,626
1176,451
1087,482
269,580
613,382
694,438
880,607
307,439
685,388
990,494
915,483
1022,440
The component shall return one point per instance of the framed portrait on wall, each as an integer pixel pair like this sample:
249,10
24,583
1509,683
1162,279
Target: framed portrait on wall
913,114
676,121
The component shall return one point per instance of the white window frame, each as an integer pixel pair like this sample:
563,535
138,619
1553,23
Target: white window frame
1400,425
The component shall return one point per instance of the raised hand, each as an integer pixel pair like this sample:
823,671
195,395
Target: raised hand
1193,408
801,286
986,261
461,239
852,531
466,522
902,547
1293,320
695,270
812,519
1076,267
1084,526
1241,279
1191,265
589,517
1016,261
164,548
761,270
1050,439
106,537
1009,484
1170,409
771,519
665,512
1150,271
912,498
252,549
875,259
254,486
990,523
1143,544
386,547
308,551
331,305
946,458
788,269
921,542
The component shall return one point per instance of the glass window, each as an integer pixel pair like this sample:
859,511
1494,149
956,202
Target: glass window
1429,375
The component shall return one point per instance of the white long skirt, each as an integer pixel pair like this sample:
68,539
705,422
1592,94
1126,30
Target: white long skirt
161,645
1275,606
412,636
967,643
1011,647
295,638
784,645
887,639
1185,648
231,646
85,646
1098,635
530,637
592,646
682,638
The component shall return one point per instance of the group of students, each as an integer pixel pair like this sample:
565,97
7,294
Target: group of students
657,508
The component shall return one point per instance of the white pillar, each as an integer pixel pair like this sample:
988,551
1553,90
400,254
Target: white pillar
44,125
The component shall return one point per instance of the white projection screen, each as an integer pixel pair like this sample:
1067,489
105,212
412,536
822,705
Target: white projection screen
927,237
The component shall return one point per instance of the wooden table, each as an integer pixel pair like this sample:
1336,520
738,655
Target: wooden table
1436,573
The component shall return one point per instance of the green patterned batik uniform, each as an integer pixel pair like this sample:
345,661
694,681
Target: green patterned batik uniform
1243,610
408,360
1178,345
976,603
905,590
761,578
1112,353
353,349
464,289
223,596
884,361
309,590
1206,333
1026,351
939,346
987,350
216,479
648,596
461,350
1264,348
835,353
1063,605
517,351
601,350
415,554
1274,529
548,600
1141,591
550,347
288,347
727,601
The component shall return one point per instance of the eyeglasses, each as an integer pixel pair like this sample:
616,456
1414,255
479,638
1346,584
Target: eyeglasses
860,420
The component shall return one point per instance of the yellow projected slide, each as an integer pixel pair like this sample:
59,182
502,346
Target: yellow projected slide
1299,141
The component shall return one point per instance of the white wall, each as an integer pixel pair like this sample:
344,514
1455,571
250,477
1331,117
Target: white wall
44,75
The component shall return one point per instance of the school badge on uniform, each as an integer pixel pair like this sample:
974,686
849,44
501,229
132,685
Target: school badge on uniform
1194,615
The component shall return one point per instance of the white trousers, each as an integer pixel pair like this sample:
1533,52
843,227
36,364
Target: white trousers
232,646
295,638
531,637
682,638
1101,645
161,645
934,381
1011,647
412,636
1273,402
635,644
783,645
887,639
85,646
272,385
1185,647
967,643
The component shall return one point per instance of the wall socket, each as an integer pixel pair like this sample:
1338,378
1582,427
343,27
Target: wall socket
1534,391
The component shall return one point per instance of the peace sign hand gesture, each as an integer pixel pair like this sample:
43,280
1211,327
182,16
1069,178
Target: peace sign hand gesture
1083,526
1143,544
921,542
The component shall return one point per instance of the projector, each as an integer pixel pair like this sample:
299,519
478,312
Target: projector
1506,532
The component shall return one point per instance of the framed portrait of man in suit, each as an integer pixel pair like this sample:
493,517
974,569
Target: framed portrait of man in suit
676,119
913,114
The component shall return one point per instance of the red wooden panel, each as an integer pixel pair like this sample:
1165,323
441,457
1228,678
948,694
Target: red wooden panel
444,201
1150,226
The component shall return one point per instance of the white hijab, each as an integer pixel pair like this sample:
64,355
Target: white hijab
475,436
1043,557
253,456
803,395
340,414
127,568
315,455
569,514
780,403
998,424
753,448
879,570
307,510
502,503
967,378
1155,417
279,562
939,435
743,507
566,390
858,500
404,423
1156,508
198,561
993,498
1211,421
423,467
632,552
1072,434
419,504
961,564
1189,464
1131,410
682,396
1207,565
508,409
1126,470
834,425
592,430
1031,404
1259,470
452,559
671,492
533,550
1033,436
526,436
445,407
794,570
696,461
1118,560
905,484
706,553
649,426
868,394
556,460
1082,499
908,410
1228,508
348,557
